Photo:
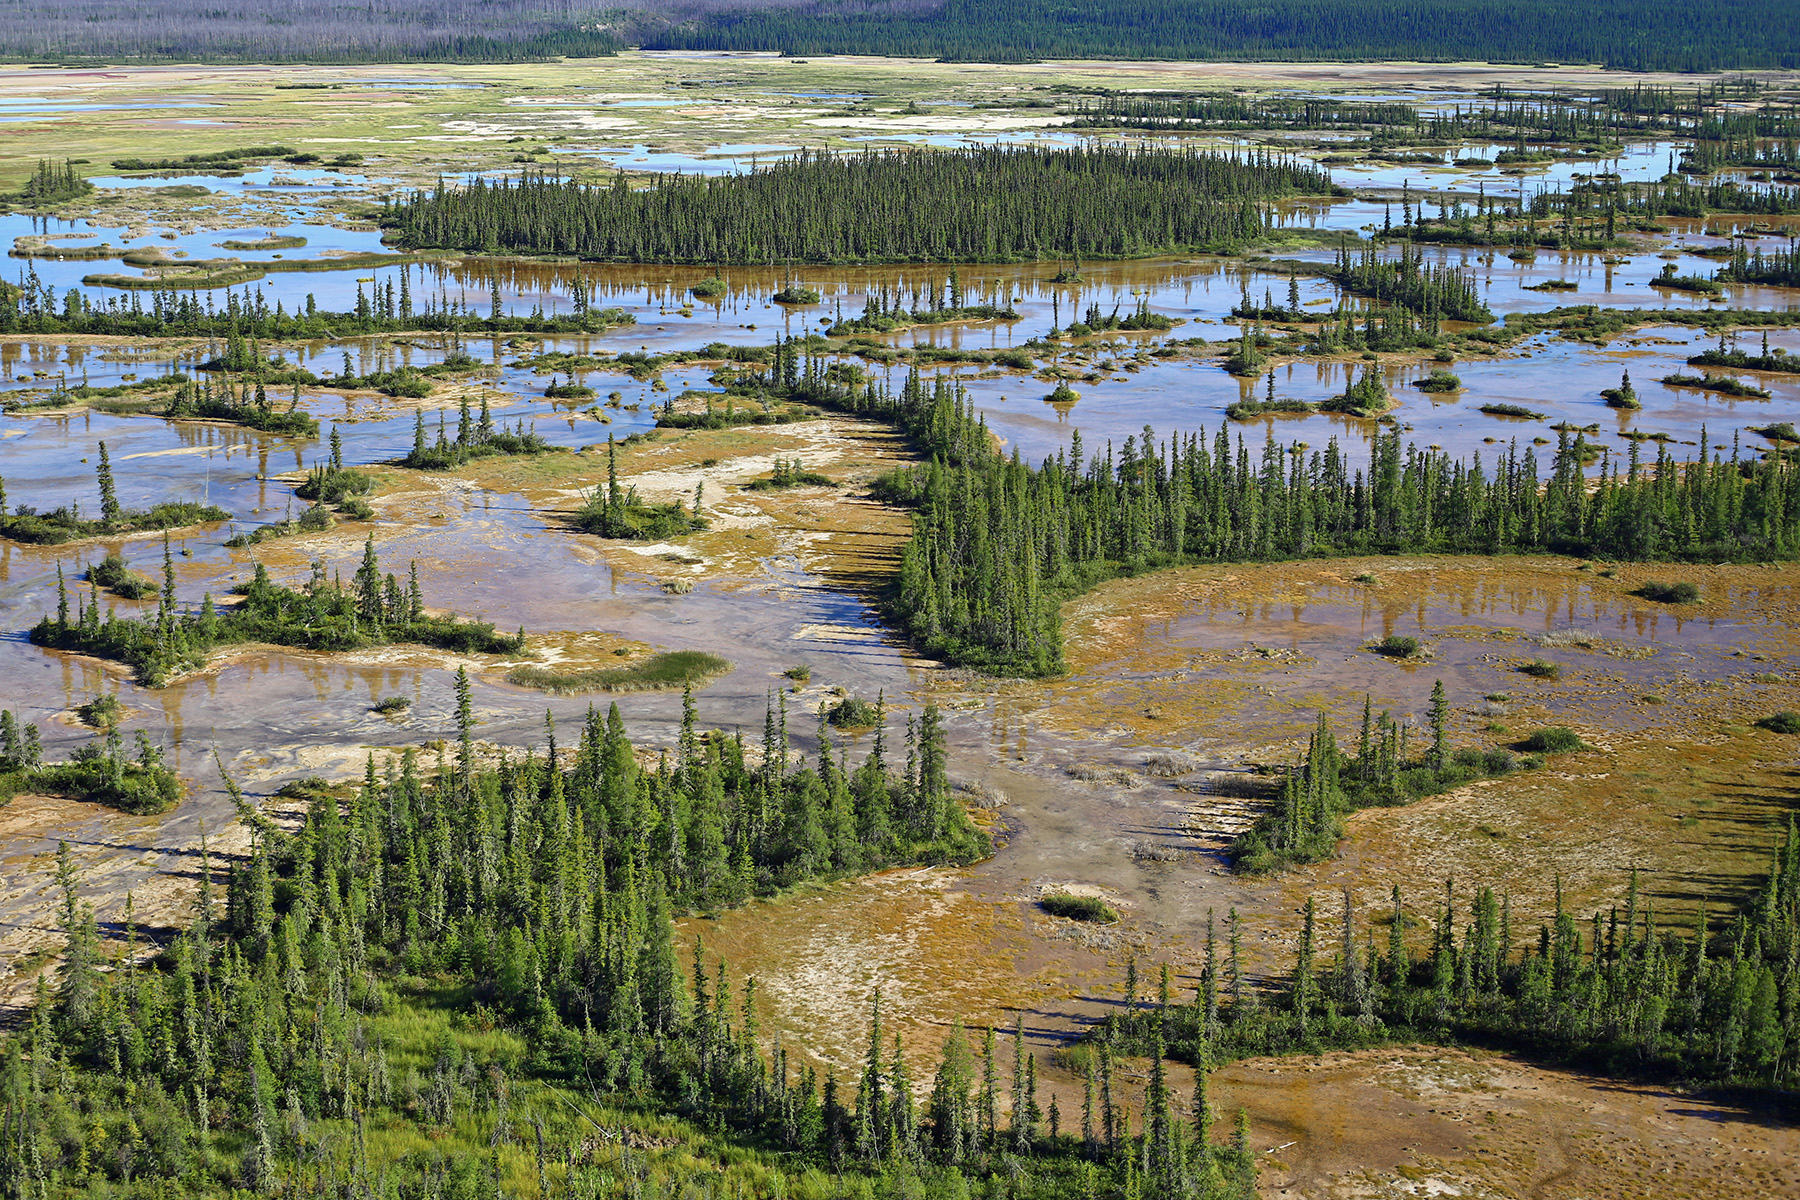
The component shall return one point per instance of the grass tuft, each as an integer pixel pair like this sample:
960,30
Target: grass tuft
1078,908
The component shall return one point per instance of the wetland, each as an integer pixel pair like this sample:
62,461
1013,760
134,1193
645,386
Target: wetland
803,472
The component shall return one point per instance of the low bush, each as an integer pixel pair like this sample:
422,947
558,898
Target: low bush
102,712
1668,593
853,713
1552,739
1078,908
1512,410
112,574
1396,646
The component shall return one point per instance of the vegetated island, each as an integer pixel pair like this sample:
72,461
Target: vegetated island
372,610
977,205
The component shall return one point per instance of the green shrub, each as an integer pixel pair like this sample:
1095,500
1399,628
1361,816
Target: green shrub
102,712
1669,593
391,704
1397,646
333,485
112,574
1512,410
1541,668
1553,739
1078,908
853,713
1785,721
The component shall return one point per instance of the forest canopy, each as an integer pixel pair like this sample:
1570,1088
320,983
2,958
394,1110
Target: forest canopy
1638,35
991,204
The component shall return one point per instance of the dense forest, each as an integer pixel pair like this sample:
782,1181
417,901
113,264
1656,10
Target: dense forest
460,980
991,204
1636,35
287,31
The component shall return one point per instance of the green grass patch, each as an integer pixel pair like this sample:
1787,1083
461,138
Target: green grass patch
660,672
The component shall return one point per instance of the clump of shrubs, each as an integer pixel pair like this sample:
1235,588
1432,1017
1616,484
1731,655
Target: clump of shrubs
1785,721
1669,593
1398,646
1078,908
853,713
1541,668
1553,739
102,712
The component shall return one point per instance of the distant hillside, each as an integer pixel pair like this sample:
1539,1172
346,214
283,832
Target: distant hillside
1638,35
1642,35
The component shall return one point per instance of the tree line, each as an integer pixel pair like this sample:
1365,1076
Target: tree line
104,773
1642,35
32,306
989,204
1623,989
86,32
323,614
1603,117
282,1040
997,543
